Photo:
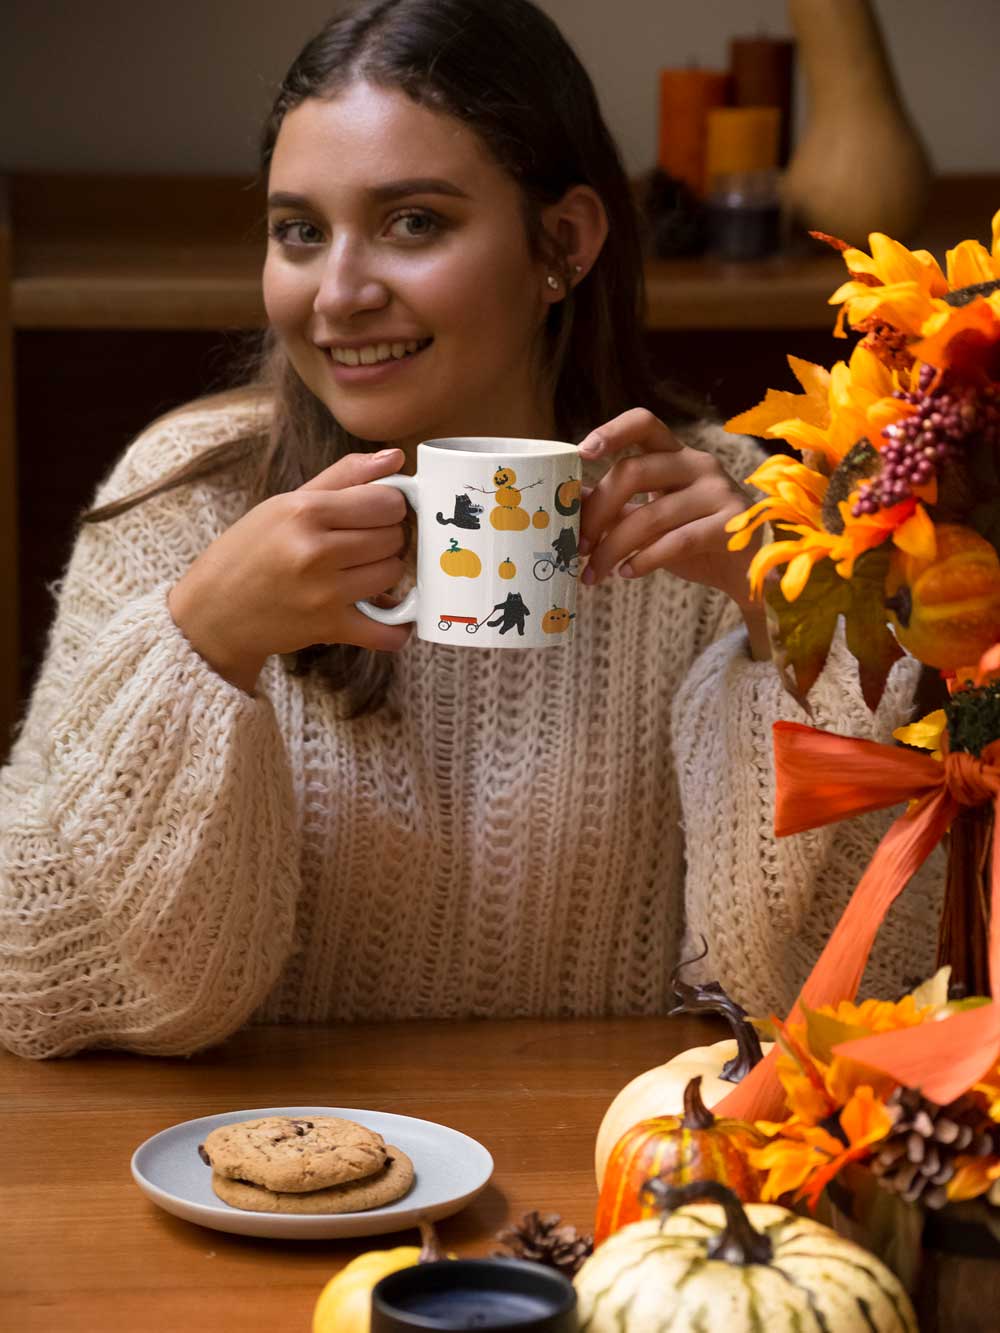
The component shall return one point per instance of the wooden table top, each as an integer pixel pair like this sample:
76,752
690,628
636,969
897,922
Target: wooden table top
85,1251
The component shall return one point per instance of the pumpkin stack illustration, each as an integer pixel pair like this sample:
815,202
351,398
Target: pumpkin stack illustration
508,515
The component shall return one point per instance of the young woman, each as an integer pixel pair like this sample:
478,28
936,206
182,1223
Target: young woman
234,796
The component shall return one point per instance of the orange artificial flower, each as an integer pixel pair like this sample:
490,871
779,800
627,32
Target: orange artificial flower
807,1157
854,401
906,288
925,734
964,339
794,496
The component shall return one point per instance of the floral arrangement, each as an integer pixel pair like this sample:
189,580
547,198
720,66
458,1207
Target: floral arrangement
840,1112
890,517
886,515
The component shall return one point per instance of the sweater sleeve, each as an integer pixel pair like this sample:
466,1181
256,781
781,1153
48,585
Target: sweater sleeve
148,853
767,905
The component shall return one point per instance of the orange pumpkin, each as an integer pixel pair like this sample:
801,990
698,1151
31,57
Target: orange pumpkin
568,496
946,611
677,1149
507,569
460,563
510,519
556,621
541,518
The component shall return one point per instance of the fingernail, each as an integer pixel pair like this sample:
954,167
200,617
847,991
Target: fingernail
384,455
592,446
589,576
585,545
626,572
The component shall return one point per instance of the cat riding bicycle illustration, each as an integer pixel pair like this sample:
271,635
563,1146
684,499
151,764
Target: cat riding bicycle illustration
565,559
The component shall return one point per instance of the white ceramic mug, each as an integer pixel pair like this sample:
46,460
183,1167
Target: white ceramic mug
497,537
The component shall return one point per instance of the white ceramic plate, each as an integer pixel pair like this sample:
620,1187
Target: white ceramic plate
450,1169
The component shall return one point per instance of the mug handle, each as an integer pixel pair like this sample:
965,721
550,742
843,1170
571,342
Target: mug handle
406,611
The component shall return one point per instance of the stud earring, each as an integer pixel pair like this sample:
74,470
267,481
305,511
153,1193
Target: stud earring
577,268
553,282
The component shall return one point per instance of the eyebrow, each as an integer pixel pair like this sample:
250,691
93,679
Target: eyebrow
379,193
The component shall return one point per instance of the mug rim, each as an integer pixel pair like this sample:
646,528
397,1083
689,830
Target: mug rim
517,446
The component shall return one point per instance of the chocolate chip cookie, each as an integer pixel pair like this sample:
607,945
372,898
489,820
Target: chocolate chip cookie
386,1186
293,1156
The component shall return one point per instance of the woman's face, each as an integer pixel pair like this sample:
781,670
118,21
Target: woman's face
398,274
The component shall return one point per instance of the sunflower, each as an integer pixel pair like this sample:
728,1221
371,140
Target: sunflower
853,401
794,499
893,285
953,316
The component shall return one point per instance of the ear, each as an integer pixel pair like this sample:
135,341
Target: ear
577,226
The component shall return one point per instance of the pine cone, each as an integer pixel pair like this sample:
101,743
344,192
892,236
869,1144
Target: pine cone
918,1156
542,1240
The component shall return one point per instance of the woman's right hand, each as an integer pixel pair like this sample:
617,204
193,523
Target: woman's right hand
287,574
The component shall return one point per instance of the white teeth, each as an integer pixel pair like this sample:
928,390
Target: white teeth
374,353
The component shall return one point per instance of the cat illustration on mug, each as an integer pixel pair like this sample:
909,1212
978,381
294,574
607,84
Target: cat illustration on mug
466,513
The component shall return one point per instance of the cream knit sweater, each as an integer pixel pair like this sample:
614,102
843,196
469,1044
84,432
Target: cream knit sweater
177,857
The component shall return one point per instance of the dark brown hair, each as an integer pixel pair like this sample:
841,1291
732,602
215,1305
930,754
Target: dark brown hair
503,68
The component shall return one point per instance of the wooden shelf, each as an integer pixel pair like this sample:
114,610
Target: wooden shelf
186,253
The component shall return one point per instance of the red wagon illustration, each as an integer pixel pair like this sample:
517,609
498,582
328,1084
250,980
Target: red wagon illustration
470,622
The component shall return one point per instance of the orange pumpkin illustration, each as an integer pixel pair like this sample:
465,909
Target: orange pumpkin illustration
509,520
507,494
557,620
568,496
460,563
507,569
540,518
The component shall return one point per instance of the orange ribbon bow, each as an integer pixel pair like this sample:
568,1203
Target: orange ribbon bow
822,778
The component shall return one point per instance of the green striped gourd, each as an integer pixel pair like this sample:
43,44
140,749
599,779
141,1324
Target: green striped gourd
735,1269
678,1149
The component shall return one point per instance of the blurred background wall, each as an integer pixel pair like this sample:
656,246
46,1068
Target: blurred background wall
181,85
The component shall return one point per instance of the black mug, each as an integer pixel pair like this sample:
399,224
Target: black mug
474,1294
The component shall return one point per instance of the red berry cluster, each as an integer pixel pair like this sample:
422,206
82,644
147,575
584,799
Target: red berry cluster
919,445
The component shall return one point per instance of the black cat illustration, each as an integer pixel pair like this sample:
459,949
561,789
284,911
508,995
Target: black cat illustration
512,613
466,513
565,547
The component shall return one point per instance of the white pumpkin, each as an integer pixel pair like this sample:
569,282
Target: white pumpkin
660,1091
753,1268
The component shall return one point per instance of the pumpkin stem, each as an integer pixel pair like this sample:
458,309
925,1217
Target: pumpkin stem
430,1250
709,998
738,1242
696,1113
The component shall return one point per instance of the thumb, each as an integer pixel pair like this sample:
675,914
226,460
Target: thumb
355,470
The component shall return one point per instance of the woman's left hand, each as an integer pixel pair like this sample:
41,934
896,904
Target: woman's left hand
680,526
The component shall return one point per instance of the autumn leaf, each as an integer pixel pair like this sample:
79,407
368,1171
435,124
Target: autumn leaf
802,631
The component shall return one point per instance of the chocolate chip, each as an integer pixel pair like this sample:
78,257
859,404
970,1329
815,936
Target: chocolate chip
204,1155
301,1126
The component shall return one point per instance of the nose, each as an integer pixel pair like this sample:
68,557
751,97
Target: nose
349,284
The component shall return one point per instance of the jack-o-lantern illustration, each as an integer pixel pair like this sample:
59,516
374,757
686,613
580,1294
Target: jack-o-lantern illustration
461,563
507,569
540,518
567,499
507,494
557,620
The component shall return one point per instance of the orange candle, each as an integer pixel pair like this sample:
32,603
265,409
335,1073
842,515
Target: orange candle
741,138
686,97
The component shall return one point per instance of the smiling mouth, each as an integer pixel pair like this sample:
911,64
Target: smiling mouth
377,353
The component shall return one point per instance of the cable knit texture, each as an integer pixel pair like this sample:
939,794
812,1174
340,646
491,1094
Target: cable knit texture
177,858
